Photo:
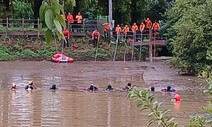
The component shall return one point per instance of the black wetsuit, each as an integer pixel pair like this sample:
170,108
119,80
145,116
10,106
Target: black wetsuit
29,86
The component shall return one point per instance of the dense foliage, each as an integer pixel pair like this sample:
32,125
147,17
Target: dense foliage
51,19
191,34
18,52
22,9
126,11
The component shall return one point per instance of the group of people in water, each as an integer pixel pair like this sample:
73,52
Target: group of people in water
31,86
93,88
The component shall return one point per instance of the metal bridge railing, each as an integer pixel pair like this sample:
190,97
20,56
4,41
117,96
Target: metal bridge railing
31,25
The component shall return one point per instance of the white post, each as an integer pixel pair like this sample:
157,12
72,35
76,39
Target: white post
111,17
151,56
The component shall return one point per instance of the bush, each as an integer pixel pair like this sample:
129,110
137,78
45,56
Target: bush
5,53
22,9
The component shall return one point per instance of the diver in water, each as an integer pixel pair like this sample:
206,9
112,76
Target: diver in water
152,89
54,87
129,85
91,88
30,86
109,88
168,89
13,86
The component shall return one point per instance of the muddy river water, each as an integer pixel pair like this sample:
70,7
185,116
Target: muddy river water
70,106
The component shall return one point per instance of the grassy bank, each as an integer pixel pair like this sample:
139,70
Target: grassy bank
35,49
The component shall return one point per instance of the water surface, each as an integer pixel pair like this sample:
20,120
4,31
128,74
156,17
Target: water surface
70,106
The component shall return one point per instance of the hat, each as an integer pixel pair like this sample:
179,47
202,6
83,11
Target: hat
13,85
31,82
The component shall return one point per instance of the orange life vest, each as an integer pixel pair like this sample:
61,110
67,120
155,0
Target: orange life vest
106,27
142,27
70,18
156,26
79,18
134,28
118,29
148,24
66,34
96,35
126,29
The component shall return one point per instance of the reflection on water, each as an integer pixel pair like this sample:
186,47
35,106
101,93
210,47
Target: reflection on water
70,106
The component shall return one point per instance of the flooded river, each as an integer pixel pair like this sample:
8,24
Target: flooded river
70,106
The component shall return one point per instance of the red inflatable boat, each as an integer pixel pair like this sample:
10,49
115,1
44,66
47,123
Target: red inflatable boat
61,58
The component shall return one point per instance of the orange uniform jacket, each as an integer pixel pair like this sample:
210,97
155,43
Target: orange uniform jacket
155,26
95,34
118,30
79,18
142,27
148,24
106,27
70,18
126,29
66,33
134,28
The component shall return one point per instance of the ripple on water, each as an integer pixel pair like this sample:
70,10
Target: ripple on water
70,106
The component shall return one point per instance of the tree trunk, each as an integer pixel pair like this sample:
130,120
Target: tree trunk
77,7
134,13
7,4
37,4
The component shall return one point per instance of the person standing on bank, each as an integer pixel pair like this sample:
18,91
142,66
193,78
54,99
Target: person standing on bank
79,22
70,20
66,34
95,38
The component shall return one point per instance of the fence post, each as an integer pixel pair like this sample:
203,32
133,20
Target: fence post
83,25
22,24
150,46
7,23
38,28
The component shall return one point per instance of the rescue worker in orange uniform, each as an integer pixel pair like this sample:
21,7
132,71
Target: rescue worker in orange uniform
95,37
106,29
66,34
134,28
79,21
79,18
155,28
142,30
148,24
118,29
142,27
125,30
118,33
70,19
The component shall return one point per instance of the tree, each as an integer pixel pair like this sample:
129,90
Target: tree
22,9
51,20
192,43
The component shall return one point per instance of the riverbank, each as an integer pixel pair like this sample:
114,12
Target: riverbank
25,48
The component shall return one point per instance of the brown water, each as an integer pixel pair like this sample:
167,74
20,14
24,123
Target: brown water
70,106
